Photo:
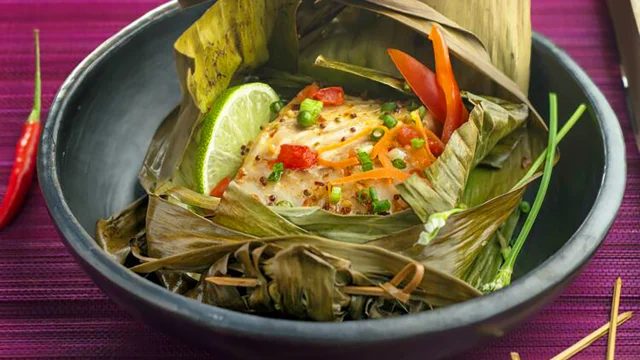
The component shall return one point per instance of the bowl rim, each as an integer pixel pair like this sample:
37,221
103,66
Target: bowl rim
539,281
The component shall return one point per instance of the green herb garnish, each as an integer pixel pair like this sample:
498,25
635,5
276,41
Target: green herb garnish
309,112
399,164
276,106
381,206
276,174
417,143
365,160
336,194
377,134
390,106
389,121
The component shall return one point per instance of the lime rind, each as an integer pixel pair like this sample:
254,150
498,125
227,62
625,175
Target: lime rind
234,120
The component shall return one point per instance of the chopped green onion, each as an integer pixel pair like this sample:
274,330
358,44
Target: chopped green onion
389,121
284,203
417,143
381,206
276,174
305,119
336,193
390,106
413,106
525,207
276,106
363,196
377,134
399,164
312,108
423,111
365,160
373,194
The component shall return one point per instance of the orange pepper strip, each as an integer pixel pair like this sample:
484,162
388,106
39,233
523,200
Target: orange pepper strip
355,137
384,159
340,164
447,81
427,153
371,175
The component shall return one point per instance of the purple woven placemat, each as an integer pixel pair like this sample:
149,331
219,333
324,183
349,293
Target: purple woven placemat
50,308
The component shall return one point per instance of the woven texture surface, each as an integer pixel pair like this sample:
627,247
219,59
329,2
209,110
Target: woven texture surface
50,308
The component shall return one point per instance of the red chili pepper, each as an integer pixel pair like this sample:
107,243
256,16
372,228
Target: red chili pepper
447,81
297,157
221,187
330,96
423,82
25,158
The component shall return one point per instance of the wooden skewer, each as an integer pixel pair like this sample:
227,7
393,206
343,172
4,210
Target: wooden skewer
615,304
589,339
515,356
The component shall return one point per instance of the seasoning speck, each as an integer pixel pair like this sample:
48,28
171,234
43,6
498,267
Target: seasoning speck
327,206
353,115
352,129
323,125
319,183
343,139
396,197
257,157
263,181
243,147
306,192
272,198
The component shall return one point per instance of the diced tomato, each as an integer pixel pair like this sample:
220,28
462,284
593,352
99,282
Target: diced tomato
405,134
297,157
220,187
435,147
330,96
308,92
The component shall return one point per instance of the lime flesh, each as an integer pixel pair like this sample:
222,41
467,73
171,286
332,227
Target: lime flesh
234,120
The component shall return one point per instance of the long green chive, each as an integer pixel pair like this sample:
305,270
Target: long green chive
373,195
417,143
276,106
399,164
276,174
377,134
381,206
284,203
525,207
503,278
561,134
336,194
389,121
390,106
365,160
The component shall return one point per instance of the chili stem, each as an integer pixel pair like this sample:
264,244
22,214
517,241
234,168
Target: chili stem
37,91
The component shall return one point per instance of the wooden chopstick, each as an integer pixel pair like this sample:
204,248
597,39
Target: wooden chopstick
615,304
589,339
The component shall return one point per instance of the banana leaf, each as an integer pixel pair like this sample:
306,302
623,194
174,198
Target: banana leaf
504,149
458,243
488,123
167,237
374,263
114,234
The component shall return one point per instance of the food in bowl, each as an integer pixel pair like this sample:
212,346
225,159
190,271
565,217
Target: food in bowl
317,169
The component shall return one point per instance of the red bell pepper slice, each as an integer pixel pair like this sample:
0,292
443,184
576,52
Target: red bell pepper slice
298,157
444,73
220,187
423,82
330,95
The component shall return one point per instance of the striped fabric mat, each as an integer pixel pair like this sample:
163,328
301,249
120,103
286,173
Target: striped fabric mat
50,308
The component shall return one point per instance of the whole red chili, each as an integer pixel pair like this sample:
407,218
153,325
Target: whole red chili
25,158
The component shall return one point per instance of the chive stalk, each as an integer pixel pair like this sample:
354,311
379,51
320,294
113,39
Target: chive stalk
503,278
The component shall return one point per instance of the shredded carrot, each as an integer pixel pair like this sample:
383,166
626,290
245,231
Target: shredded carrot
423,157
371,175
384,142
415,115
384,159
340,164
364,132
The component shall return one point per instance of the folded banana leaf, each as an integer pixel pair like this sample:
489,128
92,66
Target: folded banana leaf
114,234
184,237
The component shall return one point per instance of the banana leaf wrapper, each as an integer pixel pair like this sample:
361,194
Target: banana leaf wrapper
291,43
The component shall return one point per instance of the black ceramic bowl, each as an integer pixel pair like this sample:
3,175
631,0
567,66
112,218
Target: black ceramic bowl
106,112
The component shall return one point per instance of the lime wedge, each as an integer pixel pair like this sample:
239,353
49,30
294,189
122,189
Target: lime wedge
234,120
